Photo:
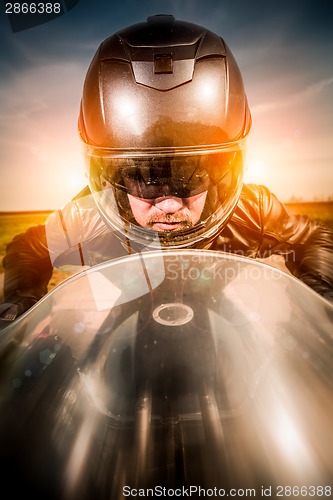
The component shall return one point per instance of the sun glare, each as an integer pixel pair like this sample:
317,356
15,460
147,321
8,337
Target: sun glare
75,181
254,170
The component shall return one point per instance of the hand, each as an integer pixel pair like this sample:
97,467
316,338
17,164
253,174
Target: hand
16,306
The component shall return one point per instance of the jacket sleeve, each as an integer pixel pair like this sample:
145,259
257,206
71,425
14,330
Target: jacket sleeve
27,268
306,244
29,259
31,256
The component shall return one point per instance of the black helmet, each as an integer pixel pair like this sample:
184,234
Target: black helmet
164,114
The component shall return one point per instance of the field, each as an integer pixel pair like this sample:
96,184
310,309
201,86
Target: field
322,211
12,224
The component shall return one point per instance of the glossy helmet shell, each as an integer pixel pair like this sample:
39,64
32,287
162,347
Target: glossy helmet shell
158,88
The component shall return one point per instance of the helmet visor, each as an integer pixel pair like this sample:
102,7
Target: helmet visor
154,177
182,175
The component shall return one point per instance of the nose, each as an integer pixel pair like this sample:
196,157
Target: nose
169,204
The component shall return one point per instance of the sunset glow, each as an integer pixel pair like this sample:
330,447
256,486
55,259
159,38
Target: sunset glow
43,69
254,171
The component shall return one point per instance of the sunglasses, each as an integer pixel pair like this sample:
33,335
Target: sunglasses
180,176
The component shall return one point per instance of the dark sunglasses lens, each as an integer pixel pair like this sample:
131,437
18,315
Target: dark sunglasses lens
178,176
147,182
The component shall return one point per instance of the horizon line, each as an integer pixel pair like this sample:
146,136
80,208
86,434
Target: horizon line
292,200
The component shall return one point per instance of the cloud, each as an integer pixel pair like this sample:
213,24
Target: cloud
38,90
310,91
278,46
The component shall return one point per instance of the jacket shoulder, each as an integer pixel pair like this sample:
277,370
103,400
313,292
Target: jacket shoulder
260,209
248,211
75,224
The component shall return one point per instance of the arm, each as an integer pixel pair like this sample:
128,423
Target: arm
27,271
31,256
313,261
306,244
29,261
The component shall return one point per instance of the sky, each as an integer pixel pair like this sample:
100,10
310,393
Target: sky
284,50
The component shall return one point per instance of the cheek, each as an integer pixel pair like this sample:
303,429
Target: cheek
140,208
197,203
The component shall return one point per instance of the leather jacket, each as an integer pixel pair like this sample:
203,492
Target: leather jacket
77,235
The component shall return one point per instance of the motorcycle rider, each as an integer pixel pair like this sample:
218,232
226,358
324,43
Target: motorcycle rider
163,123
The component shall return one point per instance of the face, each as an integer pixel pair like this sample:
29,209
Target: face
168,213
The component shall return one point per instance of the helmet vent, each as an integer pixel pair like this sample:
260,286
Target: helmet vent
163,64
163,79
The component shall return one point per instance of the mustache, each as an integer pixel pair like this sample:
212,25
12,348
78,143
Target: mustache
177,218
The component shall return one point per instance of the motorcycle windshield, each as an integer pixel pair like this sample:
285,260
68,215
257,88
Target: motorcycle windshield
175,369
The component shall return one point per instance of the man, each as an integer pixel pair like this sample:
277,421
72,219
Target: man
163,122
